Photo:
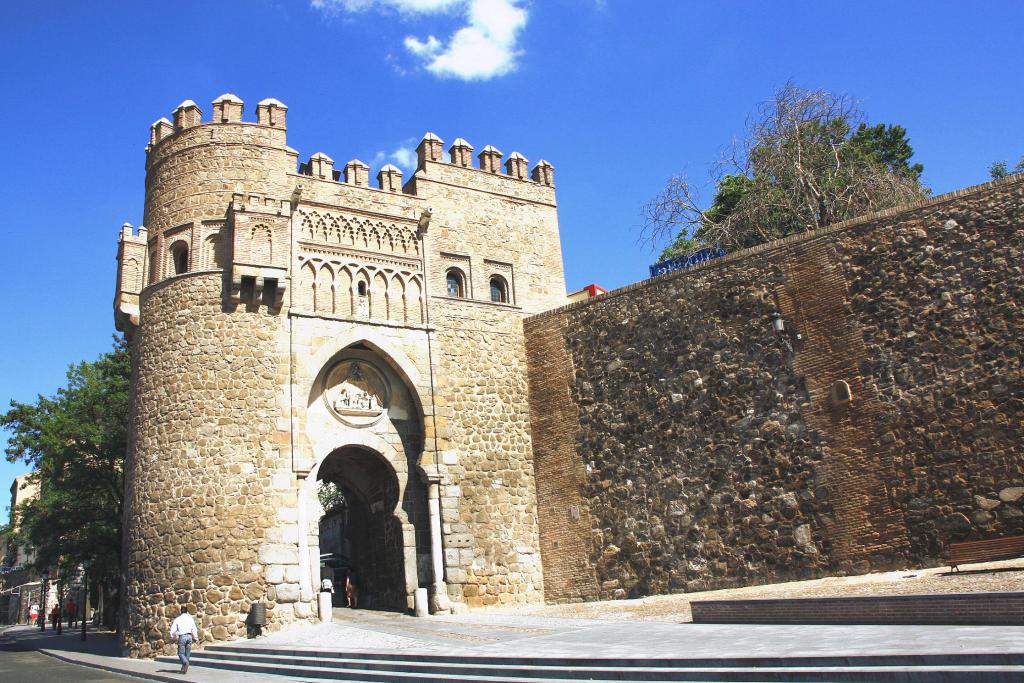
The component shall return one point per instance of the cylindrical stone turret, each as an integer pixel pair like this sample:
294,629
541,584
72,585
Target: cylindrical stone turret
206,456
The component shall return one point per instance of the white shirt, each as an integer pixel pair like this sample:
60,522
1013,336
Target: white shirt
184,624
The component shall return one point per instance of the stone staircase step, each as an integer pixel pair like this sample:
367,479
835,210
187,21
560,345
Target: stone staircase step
315,665
959,658
990,674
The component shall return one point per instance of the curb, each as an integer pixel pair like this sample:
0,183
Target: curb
111,669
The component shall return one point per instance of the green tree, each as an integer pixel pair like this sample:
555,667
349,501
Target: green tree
886,146
1000,169
809,160
76,442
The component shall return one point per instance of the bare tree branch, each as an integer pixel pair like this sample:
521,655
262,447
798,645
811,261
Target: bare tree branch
797,169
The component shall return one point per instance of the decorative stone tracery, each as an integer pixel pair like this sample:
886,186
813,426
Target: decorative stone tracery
358,232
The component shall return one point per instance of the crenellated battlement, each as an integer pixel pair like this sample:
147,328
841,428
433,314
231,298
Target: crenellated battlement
460,154
228,108
430,151
221,191
272,113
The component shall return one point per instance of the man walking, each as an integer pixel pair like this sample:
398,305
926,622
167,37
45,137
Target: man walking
184,631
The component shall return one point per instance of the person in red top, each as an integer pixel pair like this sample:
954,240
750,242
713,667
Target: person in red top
72,613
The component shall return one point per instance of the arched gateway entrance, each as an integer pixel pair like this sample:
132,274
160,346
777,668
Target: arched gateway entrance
359,532
365,495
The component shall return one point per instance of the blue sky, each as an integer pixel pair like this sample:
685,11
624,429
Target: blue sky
617,94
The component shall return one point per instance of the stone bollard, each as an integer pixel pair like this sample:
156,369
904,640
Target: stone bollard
324,604
421,603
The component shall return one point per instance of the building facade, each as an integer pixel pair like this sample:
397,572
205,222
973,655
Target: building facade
292,328
388,376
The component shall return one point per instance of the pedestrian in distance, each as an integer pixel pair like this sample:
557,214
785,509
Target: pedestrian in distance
351,590
72,612
184,632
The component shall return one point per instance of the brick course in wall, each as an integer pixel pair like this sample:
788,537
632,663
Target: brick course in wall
714,452
564,513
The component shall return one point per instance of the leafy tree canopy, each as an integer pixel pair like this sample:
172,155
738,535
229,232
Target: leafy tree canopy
1000,169
809,160
76,442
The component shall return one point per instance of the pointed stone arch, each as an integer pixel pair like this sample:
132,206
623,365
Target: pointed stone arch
305,294
404,542
324,302
414,301
343,285
379,296
396,299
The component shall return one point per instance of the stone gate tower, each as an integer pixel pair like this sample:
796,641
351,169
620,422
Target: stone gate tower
293,325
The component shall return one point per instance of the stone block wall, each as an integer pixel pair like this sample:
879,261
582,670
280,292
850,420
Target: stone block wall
695,448
488,500
938,297
206,477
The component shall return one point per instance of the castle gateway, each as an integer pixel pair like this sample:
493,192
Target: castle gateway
386,375
296,328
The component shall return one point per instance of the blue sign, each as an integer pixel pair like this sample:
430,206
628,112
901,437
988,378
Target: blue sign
681,262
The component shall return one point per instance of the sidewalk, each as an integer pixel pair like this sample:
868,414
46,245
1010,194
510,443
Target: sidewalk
506,633
101,651
515,633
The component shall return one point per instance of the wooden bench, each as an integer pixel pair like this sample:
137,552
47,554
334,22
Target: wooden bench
1007,548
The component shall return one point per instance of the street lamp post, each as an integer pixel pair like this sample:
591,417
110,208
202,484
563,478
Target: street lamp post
85,594
60,603
42,611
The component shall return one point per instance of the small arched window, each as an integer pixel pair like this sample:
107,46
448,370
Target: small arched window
213,253
499,290
456,283
179,257
361,288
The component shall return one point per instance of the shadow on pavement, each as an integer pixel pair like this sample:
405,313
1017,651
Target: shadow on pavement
103,642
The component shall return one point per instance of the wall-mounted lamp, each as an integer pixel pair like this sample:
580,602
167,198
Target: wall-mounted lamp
778,324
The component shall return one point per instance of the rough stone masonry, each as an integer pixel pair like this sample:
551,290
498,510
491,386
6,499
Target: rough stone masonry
295,327
680,443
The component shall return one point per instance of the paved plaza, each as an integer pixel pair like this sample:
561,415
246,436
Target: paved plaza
508,634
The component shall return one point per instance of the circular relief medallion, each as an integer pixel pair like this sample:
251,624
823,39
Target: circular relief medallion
356,392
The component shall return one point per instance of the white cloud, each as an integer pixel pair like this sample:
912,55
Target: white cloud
404,157
422,49
484,48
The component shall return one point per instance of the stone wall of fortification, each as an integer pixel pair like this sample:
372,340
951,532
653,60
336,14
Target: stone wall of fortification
487,224
208,484
687,446
275,311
